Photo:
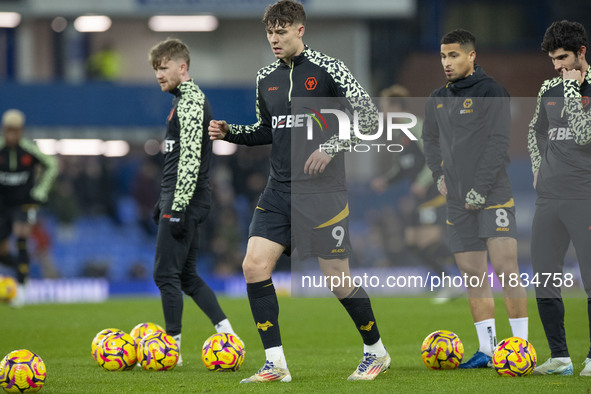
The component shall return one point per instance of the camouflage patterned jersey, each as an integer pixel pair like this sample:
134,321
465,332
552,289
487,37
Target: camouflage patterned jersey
187,149
559,139
309,75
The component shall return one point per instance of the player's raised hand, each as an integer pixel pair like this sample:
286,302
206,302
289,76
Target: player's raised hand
316,163
573,74
218,129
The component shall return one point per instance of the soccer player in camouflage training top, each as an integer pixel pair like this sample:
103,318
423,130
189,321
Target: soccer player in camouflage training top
466,133
301,72
21,192
559,143
185,196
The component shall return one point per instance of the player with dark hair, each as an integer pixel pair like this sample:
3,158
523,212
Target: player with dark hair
559,143
466,137
185,196
320,180
21,192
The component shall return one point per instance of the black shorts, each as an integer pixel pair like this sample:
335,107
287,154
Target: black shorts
316,224
26,213
469,230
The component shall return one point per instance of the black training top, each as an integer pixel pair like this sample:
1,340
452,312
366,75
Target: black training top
18,165
309,75
466,137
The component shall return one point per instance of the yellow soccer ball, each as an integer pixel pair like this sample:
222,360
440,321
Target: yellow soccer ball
22,371
98,338
442,349
143,329
222,352
514,356
116,352
158,352
8,288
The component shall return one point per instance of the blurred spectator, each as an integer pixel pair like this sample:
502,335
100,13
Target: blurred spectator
138,271
145,191
104,65
42,251
64,202
96,189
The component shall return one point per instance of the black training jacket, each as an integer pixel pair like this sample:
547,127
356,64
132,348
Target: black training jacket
18,169
466,137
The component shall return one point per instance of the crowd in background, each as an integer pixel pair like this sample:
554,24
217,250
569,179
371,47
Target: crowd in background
124,190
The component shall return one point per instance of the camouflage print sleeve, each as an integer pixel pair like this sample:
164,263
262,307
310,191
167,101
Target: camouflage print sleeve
579,118
537,137
41,189
190,114
360,101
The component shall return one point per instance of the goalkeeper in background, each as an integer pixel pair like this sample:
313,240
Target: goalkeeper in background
26,175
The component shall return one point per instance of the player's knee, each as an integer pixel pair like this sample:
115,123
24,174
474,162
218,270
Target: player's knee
252,268
163,279
191,284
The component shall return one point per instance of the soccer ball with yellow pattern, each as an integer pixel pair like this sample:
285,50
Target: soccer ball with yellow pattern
22,371
143,329
442,349
116,352
223,352
158,352
514,356
98,338
8,288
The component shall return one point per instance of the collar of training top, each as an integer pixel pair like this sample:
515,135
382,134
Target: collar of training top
470,80
298,58
183,86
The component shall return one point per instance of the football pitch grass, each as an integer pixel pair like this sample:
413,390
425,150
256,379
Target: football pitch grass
321,345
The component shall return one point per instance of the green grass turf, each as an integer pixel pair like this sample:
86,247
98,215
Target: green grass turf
321,345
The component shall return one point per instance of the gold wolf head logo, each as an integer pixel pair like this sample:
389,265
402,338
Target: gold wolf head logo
368,326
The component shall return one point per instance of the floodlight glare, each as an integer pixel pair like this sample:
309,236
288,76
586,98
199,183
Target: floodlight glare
92,23
183,23
9,20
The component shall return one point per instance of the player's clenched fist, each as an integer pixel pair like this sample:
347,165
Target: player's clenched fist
218,129
574,74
